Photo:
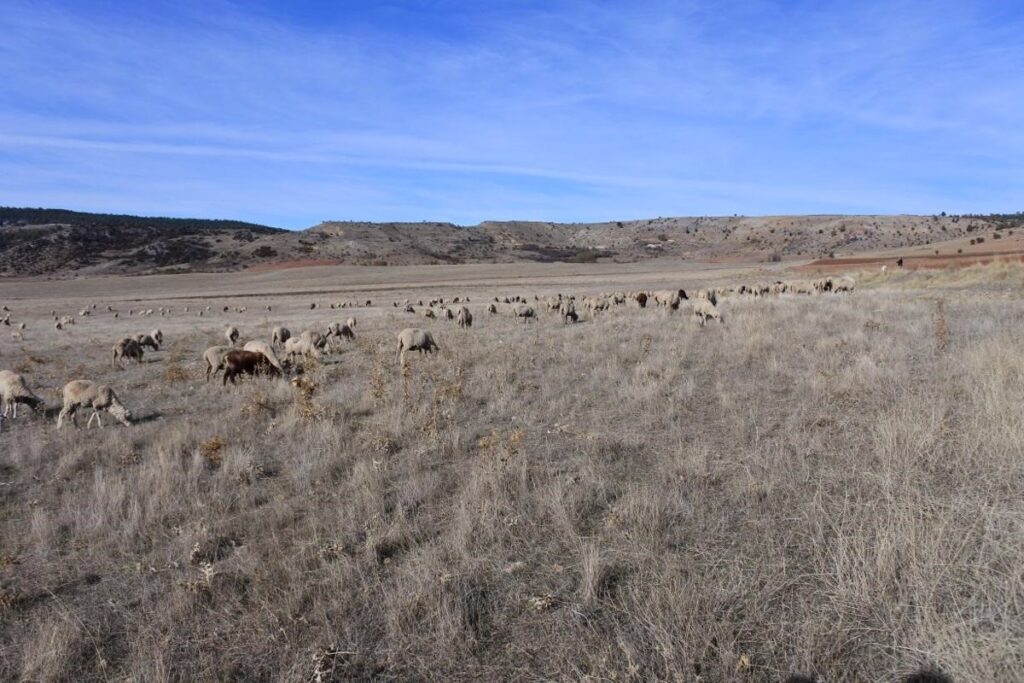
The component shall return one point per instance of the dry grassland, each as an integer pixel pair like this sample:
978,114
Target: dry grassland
824,485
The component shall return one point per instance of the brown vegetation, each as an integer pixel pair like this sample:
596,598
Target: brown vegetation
822,485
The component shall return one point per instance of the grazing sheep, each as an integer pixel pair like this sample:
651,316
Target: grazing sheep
83,393
214,357
147,340
708,295
264,348
448,313
339,331
568,312
246,363
308,344
524,312
463,317
158,335
409,308
669,298
280,335
843,284
705,311
492,309
126,348
351,322
641,299
429,313
414,339
231,334
58,326
14,390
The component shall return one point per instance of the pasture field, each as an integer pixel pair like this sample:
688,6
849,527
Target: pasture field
825,485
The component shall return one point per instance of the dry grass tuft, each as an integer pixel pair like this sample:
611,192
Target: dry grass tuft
212,450
174,374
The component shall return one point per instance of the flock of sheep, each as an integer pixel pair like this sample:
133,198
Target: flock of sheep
258,357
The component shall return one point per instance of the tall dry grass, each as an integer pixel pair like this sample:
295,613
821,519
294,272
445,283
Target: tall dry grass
818,486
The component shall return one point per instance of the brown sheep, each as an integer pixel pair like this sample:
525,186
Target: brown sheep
246,363
126,348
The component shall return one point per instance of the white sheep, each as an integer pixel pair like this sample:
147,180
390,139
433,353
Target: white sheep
463,317
214,357
231,334
158,335
705,311
14,390
524,312
414,339
264,348
351,322
83,393
280,335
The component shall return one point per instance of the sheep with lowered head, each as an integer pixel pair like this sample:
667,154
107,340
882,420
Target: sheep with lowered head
339,331
83,393
147,340
264,348
14,390
280,335
126,348
463,317
705,311
524,312
214,357
414,339
231,334
247,363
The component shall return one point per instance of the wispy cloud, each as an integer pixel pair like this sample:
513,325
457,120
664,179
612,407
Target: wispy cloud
566,111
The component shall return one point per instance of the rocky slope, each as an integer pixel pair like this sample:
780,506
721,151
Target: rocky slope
63,243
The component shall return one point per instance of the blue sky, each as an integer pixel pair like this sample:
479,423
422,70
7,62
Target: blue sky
467,111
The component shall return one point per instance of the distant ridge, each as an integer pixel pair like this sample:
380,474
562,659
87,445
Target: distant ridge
61,243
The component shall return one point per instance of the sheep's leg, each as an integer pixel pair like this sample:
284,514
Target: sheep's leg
14,410
7,406
88,425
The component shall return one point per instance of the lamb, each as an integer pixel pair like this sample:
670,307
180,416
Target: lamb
248,363
429,313
414,339
351,322
126,348
14,390
280,335
705,311
524,312
264,348
641,299
463,317
158,335
492,309
448,313
231,334
214,357
147,340
83,393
